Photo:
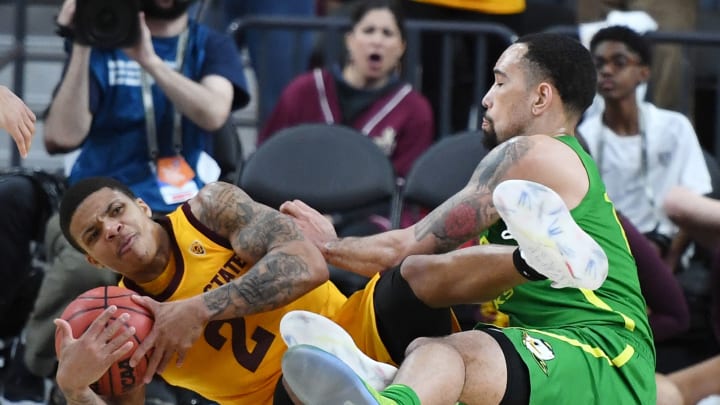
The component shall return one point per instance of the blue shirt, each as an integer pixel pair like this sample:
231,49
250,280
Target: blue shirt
116,144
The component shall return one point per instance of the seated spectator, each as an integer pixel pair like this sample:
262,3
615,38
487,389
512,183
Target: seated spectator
366,94
642,151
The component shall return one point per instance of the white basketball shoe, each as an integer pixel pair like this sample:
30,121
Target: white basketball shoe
549,239
308,328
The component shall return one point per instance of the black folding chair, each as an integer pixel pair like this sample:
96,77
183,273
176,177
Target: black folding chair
335,169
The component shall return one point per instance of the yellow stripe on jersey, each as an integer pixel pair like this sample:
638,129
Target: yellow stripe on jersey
617,361
595,300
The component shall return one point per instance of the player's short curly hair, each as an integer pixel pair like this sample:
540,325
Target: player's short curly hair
566,64
77,193
631,38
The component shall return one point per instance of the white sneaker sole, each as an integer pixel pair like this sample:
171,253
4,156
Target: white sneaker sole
550,240
319,378
308,328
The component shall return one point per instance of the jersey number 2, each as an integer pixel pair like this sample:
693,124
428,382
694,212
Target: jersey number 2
250,360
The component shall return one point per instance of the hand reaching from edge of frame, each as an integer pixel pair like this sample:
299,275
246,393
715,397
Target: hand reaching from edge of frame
17,119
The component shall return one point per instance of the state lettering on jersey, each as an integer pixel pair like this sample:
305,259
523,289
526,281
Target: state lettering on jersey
231,270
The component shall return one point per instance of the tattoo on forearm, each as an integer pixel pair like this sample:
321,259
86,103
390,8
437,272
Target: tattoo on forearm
259,227
225,211
268,229
471,211
269,284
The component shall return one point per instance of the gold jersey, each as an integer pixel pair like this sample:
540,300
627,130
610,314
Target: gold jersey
235,361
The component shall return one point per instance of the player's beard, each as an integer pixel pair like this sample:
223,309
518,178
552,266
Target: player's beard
490,139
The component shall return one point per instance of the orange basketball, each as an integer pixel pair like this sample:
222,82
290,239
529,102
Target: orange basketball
83,310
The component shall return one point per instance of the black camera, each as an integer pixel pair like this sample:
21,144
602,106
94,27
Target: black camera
107,23
115,23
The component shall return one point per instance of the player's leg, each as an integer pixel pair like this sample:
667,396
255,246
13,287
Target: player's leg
471,356
550,241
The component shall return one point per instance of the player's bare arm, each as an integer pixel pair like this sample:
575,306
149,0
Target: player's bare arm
457,220
471,210
286,265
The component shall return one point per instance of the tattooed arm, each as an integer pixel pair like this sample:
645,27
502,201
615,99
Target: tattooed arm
464,216
286,266
459,219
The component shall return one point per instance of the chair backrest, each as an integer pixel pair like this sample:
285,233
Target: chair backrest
227,151
332,168
443,169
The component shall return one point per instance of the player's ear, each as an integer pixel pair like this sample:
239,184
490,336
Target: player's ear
144,207
93,262
644,73
544,94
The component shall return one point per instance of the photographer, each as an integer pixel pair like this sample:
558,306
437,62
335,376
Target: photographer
143,114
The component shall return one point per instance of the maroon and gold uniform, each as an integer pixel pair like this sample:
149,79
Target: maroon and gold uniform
237,361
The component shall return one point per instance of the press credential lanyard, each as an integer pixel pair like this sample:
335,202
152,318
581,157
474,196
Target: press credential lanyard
150,128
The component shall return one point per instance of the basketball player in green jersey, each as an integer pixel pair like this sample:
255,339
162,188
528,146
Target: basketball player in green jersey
579,337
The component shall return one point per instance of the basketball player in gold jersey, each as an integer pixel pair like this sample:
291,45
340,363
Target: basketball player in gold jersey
218,274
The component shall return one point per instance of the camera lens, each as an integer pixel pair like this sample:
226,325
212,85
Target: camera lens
107,19
107,23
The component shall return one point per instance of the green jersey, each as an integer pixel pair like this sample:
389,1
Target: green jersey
582,346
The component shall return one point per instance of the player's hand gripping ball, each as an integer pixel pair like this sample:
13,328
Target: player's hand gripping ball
82,311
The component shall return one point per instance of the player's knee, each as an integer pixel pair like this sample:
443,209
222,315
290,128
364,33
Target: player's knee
419,342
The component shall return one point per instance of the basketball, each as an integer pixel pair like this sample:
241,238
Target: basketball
83,310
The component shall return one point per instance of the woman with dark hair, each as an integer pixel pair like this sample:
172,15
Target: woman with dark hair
366,92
